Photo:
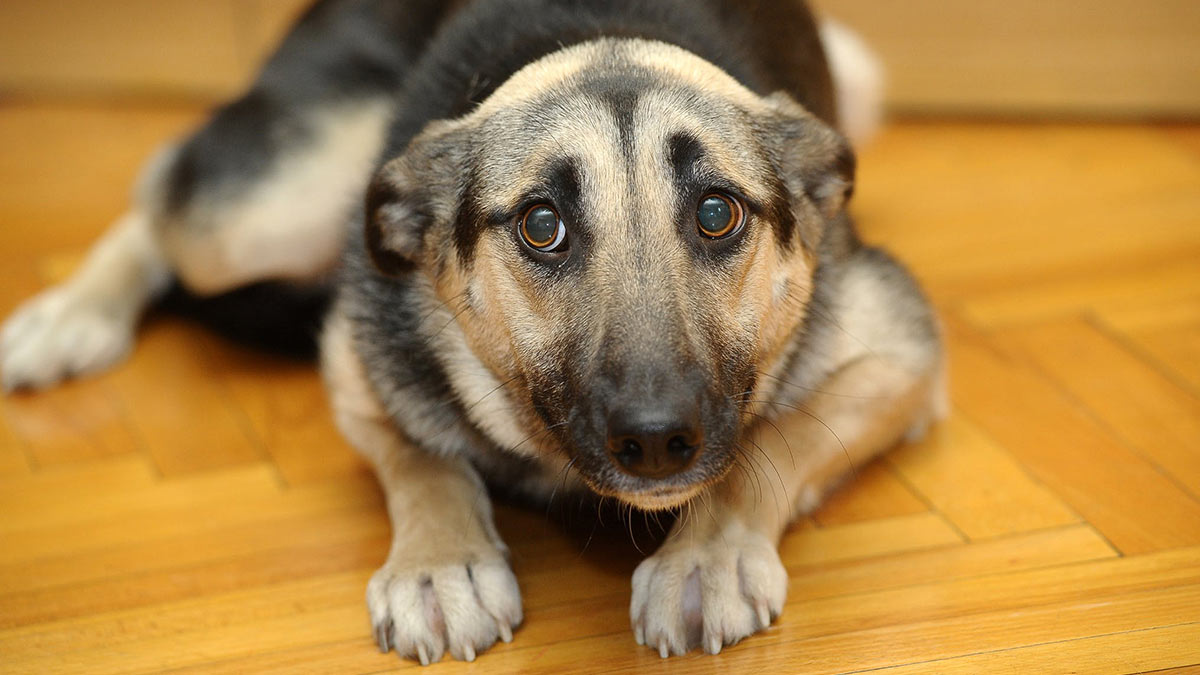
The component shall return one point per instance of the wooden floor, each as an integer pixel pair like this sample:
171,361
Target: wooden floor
196,510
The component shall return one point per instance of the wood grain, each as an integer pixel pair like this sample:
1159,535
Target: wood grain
195,510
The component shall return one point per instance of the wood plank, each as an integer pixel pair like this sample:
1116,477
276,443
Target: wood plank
108,566
78,421
1075,543
355,526
1170,282
184,412
930,644
1145,409
873,492
1131,652
554,627
49,509
1169,333
1007,217
127,472
14,459
603,626
146,590
1117,491
287,407
197,614
166,514
604,641
882,536
975,484
1177,348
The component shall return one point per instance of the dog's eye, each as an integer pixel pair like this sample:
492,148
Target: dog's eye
543,229
719,215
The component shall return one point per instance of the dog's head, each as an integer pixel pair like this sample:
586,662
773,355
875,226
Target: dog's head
626,237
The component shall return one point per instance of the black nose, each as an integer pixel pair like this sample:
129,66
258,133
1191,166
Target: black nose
653,442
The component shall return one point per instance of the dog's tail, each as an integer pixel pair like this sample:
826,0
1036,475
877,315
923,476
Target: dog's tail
858,81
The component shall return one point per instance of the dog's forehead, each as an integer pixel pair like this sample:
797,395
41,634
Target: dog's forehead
614,109
667,61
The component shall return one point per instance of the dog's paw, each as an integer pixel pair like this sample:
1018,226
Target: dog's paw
423,610
711,592
61,333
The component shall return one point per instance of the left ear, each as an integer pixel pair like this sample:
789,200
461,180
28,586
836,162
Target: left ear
413,194
812,158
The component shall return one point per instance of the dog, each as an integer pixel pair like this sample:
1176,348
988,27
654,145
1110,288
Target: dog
589,247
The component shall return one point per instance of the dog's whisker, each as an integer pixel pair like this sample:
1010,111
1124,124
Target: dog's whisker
782,437
813,390
560,481
818,420
778,477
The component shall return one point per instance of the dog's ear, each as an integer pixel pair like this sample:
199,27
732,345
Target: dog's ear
812,159
414,193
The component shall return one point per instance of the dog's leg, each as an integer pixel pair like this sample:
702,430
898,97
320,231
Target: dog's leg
718,577
214,214
447,583
86,323
289,223
261,191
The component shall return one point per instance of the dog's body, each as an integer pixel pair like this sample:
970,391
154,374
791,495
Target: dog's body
698,274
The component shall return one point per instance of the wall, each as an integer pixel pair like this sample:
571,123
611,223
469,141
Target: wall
1092,58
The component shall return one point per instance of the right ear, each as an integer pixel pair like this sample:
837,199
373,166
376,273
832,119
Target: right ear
412,194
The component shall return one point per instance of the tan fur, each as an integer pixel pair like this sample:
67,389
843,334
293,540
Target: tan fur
447,560
730,533
292,228
86,323
498,325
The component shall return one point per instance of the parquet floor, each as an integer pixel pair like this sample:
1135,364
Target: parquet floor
195,509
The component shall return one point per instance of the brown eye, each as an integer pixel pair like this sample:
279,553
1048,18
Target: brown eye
719,215
543,229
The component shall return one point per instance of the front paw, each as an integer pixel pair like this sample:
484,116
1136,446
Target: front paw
60,333
713,591
422,609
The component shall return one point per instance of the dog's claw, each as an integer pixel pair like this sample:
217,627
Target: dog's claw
504,629
738,591
714,644
423,655
468,653
639,634
383,634
764,615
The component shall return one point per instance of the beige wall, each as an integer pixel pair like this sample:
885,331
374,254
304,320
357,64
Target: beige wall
1091,57
1106,58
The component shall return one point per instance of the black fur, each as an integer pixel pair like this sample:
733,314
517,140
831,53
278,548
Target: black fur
768,46
340,50
438,60
479,47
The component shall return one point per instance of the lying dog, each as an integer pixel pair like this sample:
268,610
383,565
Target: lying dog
601,244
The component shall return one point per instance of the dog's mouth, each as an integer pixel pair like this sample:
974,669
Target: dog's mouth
652,494
658,498
661,500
